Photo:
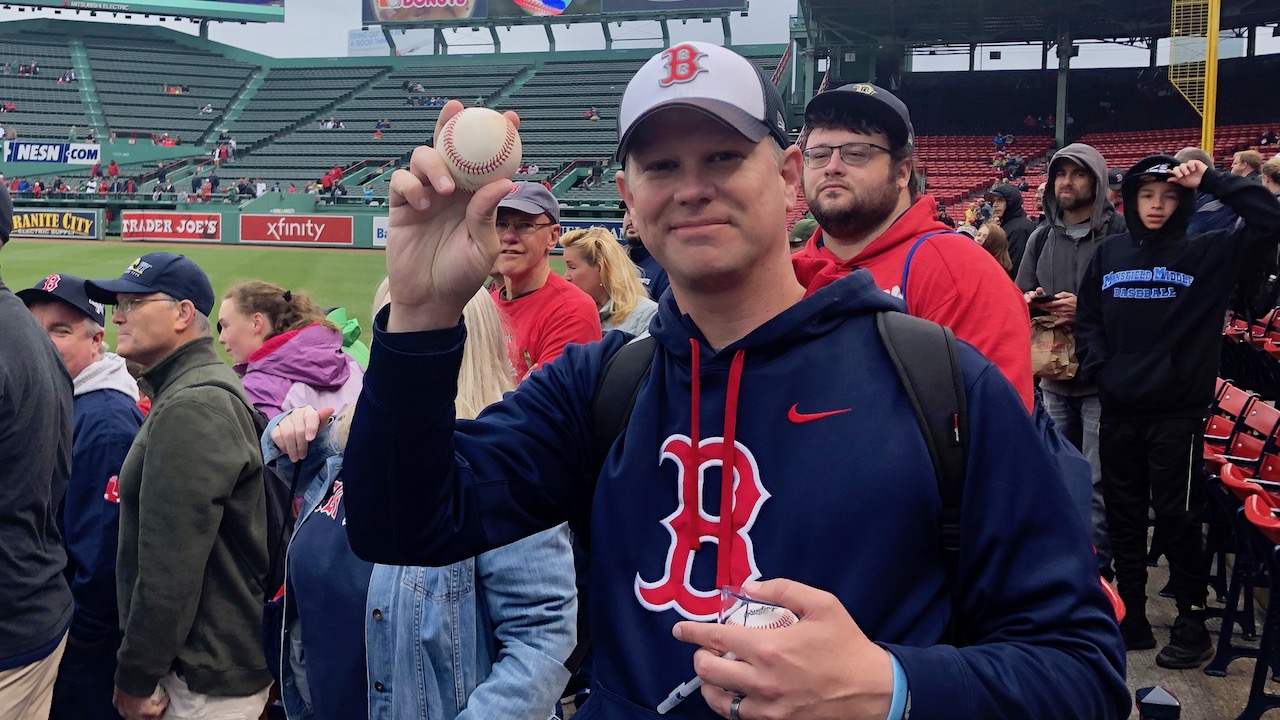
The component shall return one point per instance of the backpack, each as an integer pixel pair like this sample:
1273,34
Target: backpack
927,363
279,503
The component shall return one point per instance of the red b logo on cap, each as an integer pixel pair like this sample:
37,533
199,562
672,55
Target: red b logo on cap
51,283
682,64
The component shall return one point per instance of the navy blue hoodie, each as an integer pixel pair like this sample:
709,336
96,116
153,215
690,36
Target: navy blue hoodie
106,421
1151,304
846,502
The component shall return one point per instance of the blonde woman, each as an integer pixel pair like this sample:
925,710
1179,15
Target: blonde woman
595,261
489,634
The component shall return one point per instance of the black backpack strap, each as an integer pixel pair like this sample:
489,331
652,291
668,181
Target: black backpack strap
616,392
925,358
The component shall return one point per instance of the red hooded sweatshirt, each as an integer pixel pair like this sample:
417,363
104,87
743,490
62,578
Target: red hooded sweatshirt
953,282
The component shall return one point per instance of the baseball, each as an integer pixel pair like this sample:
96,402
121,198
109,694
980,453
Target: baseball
760,615
479,145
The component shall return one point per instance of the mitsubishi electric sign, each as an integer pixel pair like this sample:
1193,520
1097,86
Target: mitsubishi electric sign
60,153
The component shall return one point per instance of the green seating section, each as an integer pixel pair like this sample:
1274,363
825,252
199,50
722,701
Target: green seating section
46,110
304,154
289,94
130,70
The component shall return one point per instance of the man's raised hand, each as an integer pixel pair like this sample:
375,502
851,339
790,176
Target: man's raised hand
1189,174
441,242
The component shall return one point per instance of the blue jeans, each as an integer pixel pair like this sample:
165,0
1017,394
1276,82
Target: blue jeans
1077,419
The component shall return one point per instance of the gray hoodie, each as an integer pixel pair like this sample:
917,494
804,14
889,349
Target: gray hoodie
1056,261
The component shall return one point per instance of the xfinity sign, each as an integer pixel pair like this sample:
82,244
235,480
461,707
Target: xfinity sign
61,153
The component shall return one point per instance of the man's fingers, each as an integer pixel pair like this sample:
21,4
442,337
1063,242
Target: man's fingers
407,189
722,672
512,118
797,597
712,636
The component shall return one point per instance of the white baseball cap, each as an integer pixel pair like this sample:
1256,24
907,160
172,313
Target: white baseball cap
707,78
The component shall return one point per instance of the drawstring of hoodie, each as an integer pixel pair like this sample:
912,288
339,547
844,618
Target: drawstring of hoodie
728,455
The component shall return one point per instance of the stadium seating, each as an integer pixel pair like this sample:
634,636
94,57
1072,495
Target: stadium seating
46,110
131,70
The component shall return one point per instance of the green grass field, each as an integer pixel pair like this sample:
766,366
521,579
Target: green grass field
344,278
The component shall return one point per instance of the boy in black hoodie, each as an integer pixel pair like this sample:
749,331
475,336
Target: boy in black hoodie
1150,314
1006,204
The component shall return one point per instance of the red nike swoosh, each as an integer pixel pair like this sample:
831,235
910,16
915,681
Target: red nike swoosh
798,417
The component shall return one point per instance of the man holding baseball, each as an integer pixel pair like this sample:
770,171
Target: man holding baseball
746,373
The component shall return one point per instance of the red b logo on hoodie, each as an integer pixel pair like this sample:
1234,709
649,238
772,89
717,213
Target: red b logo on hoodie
690,526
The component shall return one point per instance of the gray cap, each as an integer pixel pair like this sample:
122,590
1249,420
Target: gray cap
532,198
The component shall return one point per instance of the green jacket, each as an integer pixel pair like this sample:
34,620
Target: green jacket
193,534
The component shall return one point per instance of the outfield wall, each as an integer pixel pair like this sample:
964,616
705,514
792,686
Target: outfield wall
275,219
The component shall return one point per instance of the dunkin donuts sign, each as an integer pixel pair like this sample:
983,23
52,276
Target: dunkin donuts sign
330,230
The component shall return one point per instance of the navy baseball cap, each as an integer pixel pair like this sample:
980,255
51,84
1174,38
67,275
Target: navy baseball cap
1115,178
532,198
872,102
710,79
158,272
68,289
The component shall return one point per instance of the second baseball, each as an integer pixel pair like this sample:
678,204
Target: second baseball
480,146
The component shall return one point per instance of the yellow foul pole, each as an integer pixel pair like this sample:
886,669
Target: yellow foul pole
1209,116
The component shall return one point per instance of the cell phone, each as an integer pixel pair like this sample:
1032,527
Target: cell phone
1042,299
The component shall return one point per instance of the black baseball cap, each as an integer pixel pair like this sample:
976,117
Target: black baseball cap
158,272
713,80
872,102
6,214
68,289
1115,178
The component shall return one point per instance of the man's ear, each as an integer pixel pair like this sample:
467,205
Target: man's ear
555,236
186,316
792,169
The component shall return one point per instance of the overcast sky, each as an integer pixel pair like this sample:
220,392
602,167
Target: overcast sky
318,28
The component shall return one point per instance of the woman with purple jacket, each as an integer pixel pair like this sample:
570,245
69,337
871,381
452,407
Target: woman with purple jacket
287,354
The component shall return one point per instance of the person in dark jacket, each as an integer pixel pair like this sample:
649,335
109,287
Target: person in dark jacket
1210,212
107,419
35,463
741,376
1076,218
1006,205
652,275
1150,314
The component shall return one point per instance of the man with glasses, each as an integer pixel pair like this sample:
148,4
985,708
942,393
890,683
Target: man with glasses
859,179
193,531
545,310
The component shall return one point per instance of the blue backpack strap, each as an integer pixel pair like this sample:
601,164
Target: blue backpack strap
906,266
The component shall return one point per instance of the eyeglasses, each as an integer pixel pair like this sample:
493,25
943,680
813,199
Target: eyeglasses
521,229
856,153
128,305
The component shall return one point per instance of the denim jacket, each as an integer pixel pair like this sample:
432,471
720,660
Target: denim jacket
483,638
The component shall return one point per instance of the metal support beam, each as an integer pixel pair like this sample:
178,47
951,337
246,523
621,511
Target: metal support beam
666,33
1065,47
1154,60
1251,42
440,46
608,37
497,42
551,38
1044,55
728,32
391,43
204,29
973,53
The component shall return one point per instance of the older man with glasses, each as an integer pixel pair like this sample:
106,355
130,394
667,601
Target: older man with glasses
546,311
193,533
859,179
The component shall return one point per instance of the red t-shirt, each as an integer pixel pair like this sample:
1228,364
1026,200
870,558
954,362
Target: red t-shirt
541,323
952,281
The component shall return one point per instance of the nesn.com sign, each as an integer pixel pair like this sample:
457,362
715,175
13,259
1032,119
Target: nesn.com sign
64,153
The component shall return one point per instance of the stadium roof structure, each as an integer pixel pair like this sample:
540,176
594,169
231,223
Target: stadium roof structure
850,23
